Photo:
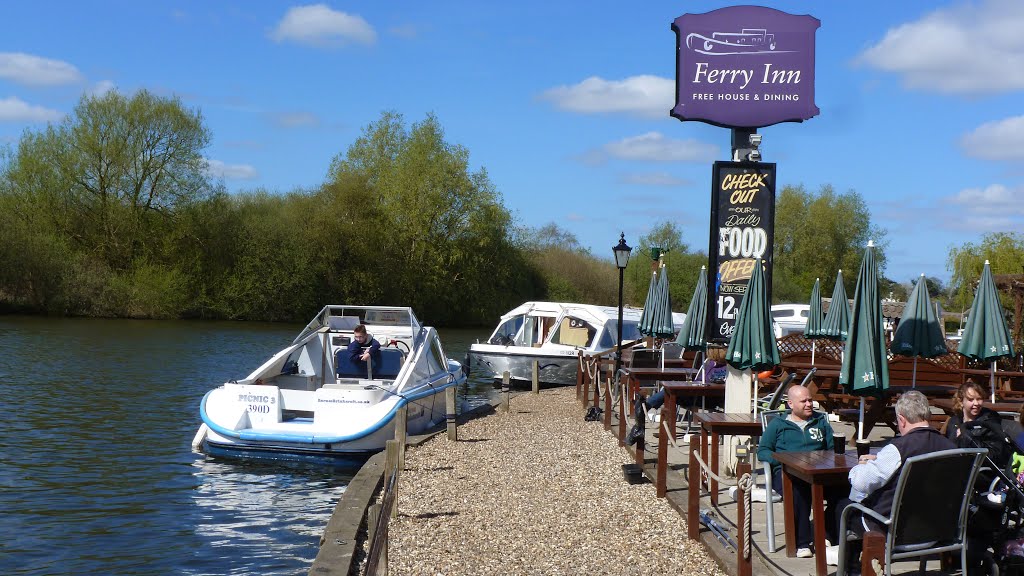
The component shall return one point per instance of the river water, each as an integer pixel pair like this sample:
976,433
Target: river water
97,474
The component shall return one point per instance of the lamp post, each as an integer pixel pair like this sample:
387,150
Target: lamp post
621,251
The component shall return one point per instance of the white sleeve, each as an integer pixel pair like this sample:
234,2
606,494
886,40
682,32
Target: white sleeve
867,477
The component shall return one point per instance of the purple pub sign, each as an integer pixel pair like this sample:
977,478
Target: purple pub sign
745,67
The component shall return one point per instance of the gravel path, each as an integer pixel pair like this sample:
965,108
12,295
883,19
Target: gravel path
536,491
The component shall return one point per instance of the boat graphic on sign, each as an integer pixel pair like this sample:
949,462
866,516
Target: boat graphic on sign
746,41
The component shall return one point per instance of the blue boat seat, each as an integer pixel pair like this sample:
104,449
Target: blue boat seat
390,363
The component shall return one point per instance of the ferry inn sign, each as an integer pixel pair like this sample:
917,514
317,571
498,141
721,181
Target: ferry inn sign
745,67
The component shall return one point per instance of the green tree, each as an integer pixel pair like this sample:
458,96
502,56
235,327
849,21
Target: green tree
683,266
1003,250
441,237
816,235
113,172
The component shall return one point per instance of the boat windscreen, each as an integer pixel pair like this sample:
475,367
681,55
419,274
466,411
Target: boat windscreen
630,331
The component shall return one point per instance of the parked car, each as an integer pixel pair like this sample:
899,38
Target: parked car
790,318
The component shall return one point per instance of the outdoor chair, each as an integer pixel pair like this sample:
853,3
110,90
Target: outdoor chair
928,517
672,350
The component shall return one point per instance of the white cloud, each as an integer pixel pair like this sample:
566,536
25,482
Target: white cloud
973,48
14,110
296,120
218,169
1000,140
102,87
647,96
993,208
655,147
318,25
36,71
654,179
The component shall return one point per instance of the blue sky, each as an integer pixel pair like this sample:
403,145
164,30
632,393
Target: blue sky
564,103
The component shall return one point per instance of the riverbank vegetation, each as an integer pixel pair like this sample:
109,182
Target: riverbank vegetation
113,212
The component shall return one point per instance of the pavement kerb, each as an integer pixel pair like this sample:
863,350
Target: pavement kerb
347,525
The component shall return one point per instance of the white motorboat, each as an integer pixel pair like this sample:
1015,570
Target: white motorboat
312,401
552,334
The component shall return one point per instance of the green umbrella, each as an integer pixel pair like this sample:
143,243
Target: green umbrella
919,333
656,318
865,370
753,342
663,315
837,321
814,320
986,336
645,314
812,330
691,335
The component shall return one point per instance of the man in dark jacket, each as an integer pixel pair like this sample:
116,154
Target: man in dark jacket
801,430
873,480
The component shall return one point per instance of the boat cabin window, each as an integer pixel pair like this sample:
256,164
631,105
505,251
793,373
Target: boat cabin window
630,331
506,332
573,332
438,363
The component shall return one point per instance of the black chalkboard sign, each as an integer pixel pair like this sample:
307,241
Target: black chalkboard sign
742,231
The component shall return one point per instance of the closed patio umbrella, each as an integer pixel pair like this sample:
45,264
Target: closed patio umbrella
865,370
691,335
986,336
753,342
656,318
837,321
663,324
812,331
918,333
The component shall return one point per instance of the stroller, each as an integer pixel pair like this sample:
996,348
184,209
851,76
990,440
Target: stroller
995,523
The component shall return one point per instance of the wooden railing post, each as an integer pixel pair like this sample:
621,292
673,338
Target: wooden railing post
401,433
580,367
506,393
391,466
449,407
693,493
622,417
608,405
372,520
743,566
536,377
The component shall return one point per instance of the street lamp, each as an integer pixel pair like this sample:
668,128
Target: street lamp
621,251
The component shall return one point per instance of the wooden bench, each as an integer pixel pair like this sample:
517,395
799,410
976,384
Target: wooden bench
901,373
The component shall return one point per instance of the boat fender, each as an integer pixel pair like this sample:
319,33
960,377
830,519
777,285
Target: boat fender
200,436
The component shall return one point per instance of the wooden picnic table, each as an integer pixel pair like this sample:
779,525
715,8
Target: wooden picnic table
717,424
819,468
668,415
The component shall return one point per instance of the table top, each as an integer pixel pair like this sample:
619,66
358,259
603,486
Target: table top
659,373
738,424
694,389
739,418
817,463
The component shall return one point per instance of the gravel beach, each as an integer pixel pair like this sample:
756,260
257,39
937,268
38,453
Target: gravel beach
535,491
